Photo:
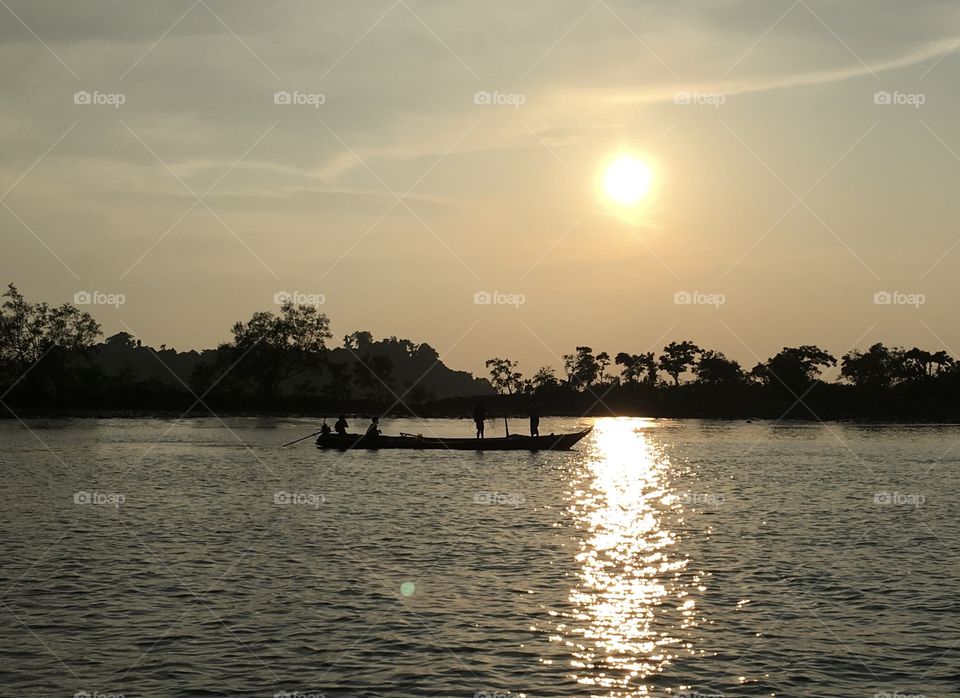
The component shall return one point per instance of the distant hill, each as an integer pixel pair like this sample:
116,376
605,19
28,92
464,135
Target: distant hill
362,368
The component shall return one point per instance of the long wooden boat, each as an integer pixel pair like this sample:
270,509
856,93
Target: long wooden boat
514,442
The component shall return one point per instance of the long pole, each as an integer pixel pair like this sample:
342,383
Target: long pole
301,439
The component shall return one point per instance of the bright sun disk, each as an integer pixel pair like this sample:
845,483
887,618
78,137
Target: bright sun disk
627,180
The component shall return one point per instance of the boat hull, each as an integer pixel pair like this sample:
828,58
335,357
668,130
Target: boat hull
549,442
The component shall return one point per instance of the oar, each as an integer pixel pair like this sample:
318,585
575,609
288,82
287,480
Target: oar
301,439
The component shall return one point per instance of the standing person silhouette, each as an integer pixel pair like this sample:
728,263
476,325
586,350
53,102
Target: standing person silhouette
534,416
479,417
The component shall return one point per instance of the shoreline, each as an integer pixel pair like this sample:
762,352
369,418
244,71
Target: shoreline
111,414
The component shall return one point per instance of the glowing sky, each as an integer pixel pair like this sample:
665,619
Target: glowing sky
432,151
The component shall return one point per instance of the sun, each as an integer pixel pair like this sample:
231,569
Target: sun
627,180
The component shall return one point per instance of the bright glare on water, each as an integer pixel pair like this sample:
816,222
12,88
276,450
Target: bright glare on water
628,567
659,558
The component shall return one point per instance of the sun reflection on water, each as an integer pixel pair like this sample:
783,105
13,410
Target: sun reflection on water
629,603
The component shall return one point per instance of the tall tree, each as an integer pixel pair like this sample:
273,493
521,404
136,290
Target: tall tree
924,364
269,349
504,375
636,365
880,367
545,378
40,344
797,367
714,368
358,341
678,357
942,360
585,368
603,361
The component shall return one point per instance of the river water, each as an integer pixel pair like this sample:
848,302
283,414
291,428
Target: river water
659,558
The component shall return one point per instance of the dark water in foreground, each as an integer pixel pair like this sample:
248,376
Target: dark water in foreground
660,558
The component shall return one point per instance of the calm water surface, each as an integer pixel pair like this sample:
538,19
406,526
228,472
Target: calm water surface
682,558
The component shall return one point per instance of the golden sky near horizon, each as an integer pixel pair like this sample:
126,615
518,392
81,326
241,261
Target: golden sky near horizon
495,179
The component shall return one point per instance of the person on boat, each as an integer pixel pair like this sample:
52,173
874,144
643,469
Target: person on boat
341,426
324,429
373,431
479,417
534,416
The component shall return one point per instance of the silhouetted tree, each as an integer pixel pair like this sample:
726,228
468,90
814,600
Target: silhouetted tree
636,365
760,374
917,364
121,340
358,341
545,378
677,358
942,361
40,345
269,349
797,367
876,368
714,368
504,376
920,364
603,360
584,368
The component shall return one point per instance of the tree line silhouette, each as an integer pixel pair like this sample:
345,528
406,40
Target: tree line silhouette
52,361
687,380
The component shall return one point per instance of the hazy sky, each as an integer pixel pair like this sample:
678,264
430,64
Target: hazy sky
782,187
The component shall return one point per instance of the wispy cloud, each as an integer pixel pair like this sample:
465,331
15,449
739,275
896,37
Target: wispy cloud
853,70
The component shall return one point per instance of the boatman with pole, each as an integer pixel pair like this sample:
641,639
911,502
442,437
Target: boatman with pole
534,416
479,417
